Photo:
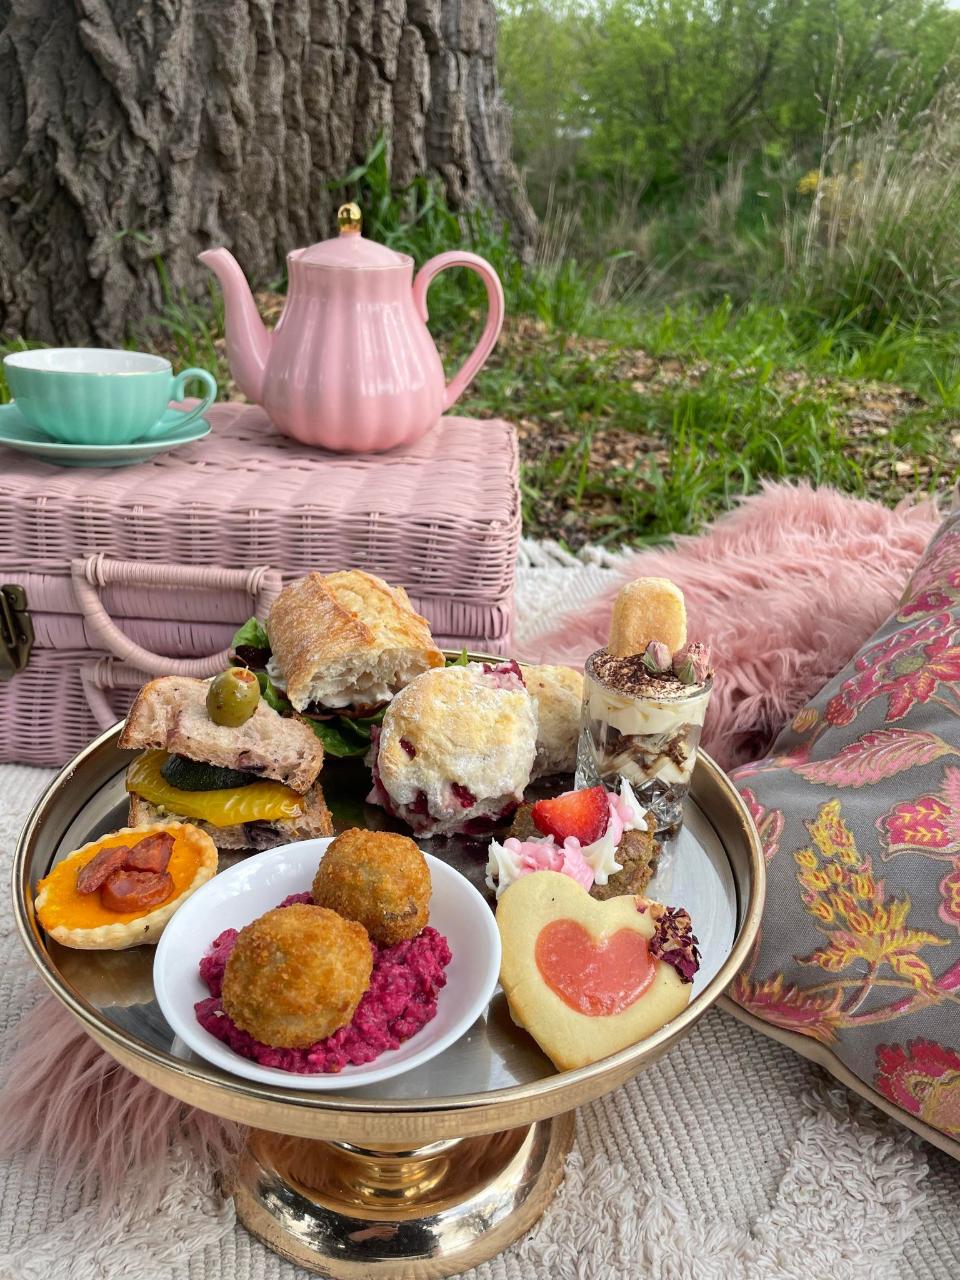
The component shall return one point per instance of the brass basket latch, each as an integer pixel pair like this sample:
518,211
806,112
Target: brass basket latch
16,631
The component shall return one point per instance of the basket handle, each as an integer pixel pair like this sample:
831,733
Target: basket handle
107,673
92,572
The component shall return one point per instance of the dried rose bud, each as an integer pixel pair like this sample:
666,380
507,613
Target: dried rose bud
675,943
656,657
692,664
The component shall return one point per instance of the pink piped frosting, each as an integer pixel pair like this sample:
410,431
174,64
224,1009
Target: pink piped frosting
586,864
545,855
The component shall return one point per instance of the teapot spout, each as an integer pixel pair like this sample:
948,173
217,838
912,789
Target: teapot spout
248,342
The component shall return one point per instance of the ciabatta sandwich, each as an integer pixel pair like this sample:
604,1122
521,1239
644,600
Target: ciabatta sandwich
250,786
346,642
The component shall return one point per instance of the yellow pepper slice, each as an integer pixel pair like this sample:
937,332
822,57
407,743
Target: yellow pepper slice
259,802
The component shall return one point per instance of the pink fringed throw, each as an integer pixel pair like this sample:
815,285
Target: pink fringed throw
785,589
64,1100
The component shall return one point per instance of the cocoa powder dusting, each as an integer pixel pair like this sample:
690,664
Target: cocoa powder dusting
630,676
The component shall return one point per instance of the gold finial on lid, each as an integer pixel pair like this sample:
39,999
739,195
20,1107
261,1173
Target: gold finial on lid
349,219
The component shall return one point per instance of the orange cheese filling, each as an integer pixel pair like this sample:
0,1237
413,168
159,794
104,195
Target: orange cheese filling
259,802
67,908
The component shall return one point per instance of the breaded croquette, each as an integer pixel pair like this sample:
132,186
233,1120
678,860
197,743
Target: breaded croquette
296,975
379,879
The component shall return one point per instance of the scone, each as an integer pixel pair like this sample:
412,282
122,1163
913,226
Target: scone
346,642
588,978
456,749
558,693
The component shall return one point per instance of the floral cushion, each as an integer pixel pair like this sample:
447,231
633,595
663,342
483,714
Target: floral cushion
858,807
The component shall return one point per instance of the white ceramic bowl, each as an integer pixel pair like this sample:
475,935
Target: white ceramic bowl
235,897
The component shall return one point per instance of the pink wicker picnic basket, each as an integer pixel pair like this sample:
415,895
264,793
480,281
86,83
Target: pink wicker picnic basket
148,570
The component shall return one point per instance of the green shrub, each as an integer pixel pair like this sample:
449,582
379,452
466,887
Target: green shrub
658,95
880,238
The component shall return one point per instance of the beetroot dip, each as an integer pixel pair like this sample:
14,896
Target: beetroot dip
401,998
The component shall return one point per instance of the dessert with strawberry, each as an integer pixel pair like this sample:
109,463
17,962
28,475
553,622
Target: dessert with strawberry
602,840
645,699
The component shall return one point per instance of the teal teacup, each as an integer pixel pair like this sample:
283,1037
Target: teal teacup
94,395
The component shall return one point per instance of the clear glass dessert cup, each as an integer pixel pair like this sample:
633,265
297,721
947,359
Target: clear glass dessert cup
649,737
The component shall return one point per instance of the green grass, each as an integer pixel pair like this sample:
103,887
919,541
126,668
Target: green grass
734,417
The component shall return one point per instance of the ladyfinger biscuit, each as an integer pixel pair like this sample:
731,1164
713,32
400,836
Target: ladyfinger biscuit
644,610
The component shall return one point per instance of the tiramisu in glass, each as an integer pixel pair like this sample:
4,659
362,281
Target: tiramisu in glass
645,698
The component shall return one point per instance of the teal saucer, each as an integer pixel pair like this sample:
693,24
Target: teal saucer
17,433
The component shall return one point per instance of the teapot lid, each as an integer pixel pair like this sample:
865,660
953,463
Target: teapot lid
349,248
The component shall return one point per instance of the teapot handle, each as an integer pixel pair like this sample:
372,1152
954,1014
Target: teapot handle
491,331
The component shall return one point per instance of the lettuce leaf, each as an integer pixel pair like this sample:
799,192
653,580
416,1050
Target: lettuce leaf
342,736
460,660
273,696
251,646
337,740
252,634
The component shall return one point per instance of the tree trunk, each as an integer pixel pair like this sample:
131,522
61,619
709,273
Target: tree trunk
135,133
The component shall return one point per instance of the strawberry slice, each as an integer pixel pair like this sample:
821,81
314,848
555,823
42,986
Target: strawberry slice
583,814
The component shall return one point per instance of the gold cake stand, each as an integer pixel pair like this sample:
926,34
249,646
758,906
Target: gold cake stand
424,1175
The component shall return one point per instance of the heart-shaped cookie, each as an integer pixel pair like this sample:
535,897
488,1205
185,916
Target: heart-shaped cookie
578,973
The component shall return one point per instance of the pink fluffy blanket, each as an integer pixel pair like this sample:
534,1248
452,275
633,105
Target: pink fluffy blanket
786,588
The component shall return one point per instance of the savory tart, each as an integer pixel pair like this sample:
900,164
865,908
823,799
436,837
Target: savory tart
119,891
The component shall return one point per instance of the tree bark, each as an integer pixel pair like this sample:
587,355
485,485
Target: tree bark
135,133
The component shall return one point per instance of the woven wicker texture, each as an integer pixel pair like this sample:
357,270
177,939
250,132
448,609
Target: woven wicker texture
441,517
195,529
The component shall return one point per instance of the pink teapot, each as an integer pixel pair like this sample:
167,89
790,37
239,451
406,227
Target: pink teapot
350,364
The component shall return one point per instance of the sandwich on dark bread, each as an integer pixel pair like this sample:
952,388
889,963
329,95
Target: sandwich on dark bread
250,786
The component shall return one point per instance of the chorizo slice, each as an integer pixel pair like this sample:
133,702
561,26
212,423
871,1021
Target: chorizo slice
93,873
136,890
152,853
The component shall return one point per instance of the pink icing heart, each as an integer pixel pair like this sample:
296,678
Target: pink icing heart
598,979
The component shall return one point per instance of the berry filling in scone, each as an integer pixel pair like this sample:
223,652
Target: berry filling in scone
455,750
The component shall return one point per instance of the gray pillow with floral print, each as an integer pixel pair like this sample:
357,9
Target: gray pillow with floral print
858,806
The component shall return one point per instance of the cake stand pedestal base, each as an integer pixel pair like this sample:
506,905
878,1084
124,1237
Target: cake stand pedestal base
343,1210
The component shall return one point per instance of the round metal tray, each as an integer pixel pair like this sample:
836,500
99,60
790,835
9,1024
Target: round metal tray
494,1081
